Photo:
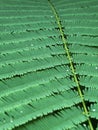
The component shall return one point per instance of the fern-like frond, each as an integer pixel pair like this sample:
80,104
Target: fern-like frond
48,65
59,120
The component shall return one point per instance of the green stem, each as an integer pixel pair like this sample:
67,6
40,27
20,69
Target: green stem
71,64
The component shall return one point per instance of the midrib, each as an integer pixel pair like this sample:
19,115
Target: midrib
86,112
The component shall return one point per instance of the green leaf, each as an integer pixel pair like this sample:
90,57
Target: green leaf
48,65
